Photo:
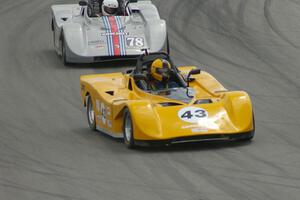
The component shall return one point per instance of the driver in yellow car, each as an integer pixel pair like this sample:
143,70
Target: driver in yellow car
161,74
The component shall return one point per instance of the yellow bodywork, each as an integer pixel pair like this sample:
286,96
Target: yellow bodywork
229,112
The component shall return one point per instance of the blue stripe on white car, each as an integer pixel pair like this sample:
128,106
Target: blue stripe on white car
108,36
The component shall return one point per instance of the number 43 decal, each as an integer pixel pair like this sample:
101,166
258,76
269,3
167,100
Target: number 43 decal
192,114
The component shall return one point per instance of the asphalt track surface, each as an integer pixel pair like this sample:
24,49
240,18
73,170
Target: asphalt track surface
48,152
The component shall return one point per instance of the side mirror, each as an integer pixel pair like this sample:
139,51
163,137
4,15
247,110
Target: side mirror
139,77
192,72
83,3
133,1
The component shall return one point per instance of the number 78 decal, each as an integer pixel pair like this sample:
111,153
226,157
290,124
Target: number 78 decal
135,42
192,114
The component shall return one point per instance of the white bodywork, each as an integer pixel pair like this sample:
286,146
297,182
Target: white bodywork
91,39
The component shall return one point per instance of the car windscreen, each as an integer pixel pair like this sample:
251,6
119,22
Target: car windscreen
182,94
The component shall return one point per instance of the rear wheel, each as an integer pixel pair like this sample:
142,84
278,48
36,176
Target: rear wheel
91,114
166,47
64,52
128,130
53,31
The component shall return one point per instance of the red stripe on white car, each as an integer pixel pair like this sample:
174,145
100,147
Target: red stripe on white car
115,31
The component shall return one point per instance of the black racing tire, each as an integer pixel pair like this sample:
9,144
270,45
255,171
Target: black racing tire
91,117
64,52
53,31
166,47
128,130
54,40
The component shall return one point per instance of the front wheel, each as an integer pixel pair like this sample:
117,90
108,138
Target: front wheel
128,130
91,114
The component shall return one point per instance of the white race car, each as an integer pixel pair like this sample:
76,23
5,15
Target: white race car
82,34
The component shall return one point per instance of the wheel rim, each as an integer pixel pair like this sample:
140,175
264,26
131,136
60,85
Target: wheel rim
91,113
128,128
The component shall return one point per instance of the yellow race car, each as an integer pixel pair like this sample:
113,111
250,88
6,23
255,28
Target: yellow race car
196,108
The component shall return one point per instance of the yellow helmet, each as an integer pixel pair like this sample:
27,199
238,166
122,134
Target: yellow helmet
161,70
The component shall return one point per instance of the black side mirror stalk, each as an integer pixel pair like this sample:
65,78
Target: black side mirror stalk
146,52
192,72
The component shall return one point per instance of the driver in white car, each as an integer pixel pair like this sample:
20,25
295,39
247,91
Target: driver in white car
110,7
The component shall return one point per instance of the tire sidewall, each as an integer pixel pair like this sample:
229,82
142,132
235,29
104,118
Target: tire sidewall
92,125
130,144
53,36
64,52
166,47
